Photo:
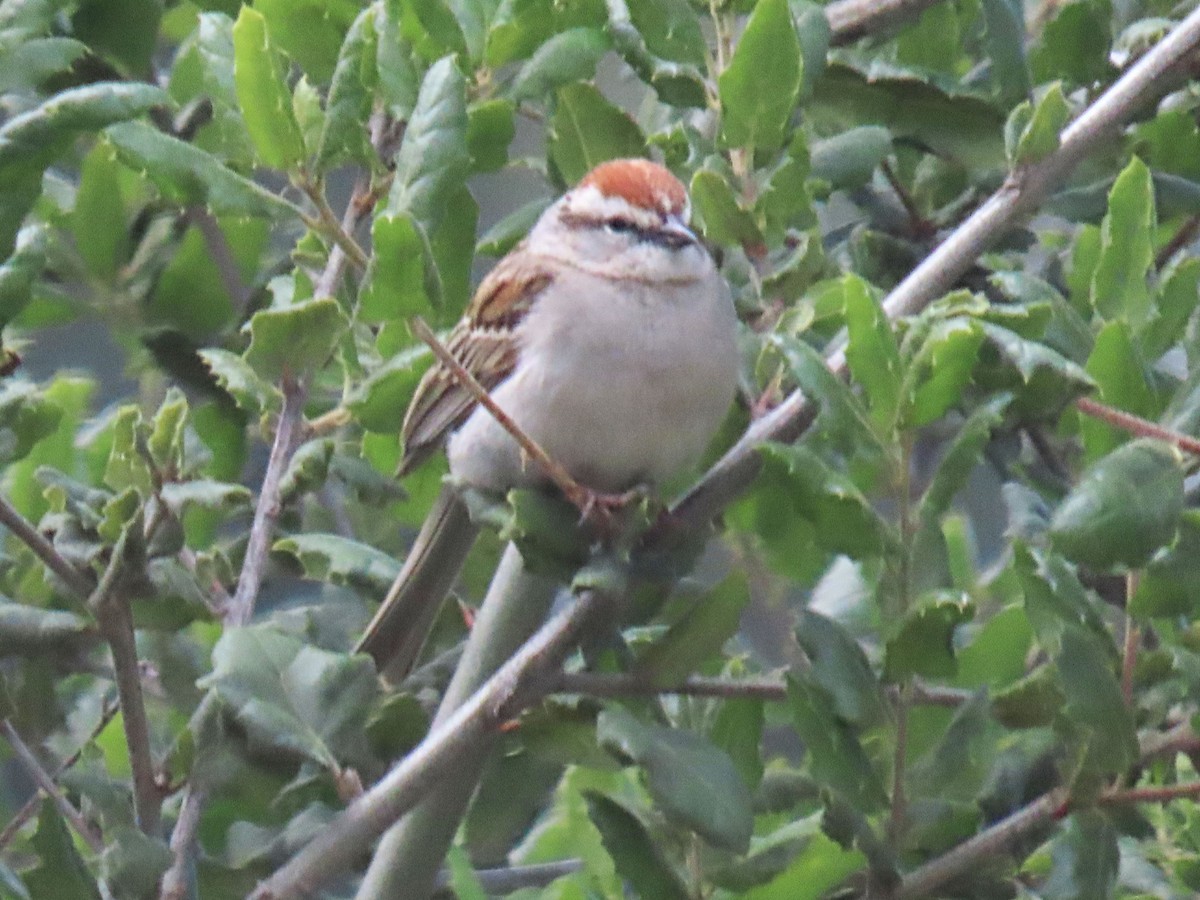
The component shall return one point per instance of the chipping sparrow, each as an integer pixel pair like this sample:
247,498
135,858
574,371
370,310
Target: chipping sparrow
607,335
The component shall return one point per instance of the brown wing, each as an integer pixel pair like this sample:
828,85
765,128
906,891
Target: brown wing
483,342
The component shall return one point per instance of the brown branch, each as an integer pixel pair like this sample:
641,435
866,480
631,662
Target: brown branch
1160,793
47,786
1185,234
266,511
594,684
183,838
1136,425
1133,637
327,223
850,20
114,616
222,256
76,580
26,812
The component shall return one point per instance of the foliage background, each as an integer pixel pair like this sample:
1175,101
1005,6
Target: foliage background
962,596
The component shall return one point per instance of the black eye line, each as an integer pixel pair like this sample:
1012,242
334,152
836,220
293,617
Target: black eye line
672,240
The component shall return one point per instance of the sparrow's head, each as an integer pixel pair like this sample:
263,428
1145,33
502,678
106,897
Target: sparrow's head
629,215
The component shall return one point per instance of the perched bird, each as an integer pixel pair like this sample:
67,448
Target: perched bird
607,335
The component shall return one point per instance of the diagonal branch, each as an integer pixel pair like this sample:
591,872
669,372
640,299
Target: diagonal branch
44,549
1022,192
527,676
47,785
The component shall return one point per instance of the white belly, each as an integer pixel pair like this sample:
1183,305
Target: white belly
628,394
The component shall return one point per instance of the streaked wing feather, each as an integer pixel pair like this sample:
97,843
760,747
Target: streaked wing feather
483,341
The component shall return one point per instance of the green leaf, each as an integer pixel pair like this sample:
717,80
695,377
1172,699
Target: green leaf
187,175
1054,598
671,30
872,354
1170,584
637,856
292,698
402,278
29,63
962,457
840,666
330,557
432,28
1120,372
838,760
433,158
310,31
723,220
31,140
31,631
692,782
848,160
675,83
1031,701
1004,38
378,404
1178,296
239,380
1119,288
587,130
1031,132
26,417
1074,45
1124,509
940,370
99,221
205,493
133,863
263,95
843,519
924,641
307,471
349,105
1095,702
696,637
490,129
60,871
738,731
768,53
841,410
1086,859
296,339
399,79
214,45
570,55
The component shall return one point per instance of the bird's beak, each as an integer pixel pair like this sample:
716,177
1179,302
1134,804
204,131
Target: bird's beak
677,235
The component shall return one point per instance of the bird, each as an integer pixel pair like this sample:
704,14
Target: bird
607,335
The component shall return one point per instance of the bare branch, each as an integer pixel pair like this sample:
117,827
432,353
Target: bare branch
183,839
110,605
44,550
850,20
26,812
222,256
524,679
595,684
1136,425
47,785
512,878
266,511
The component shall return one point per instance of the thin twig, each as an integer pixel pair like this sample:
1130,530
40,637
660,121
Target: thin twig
266,511
510,879
110,606
26,812
1133,638
562,479
328,224
222,256
47,785
44,550
525,678
1161,793
850,20
1184,235
1136,425
175,882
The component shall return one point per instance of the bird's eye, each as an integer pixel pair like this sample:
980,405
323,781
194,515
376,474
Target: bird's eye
622,226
